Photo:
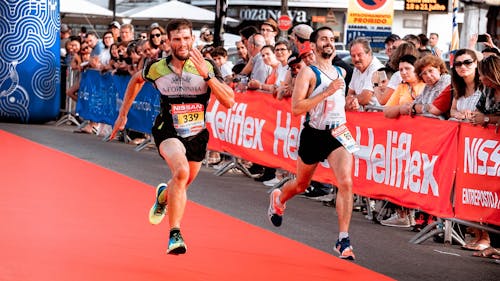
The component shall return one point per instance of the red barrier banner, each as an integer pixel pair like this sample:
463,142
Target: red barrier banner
409,161
477,186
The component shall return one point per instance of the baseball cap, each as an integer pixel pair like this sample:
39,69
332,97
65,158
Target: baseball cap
114,24
65,28
303,31
305,49
272,23
293,59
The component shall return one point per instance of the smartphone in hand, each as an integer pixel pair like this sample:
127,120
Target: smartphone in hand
482,38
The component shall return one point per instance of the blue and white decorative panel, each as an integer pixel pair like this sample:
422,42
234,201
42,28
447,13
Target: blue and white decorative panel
29,60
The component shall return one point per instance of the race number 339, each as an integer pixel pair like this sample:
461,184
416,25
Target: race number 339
189,118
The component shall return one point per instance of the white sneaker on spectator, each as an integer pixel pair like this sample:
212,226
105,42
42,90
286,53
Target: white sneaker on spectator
396,221
271,182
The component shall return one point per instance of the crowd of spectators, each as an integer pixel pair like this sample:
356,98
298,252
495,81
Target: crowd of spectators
414,81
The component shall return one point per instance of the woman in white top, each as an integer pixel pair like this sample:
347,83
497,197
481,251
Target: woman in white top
466,85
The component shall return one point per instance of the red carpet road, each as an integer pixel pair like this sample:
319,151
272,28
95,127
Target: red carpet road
67,219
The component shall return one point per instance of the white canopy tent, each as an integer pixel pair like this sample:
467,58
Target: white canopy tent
83,7
173,9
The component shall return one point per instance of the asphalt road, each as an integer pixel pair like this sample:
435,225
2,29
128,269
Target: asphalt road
383,249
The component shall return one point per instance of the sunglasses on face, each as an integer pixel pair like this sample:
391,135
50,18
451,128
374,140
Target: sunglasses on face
156,35
465,62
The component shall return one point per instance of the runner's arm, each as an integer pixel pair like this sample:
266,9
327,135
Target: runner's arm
302,102
134,86
222,92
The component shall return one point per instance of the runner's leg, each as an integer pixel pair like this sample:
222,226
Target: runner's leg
340,162
300,183
183,173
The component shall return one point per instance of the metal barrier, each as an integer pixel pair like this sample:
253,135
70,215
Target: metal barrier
72,77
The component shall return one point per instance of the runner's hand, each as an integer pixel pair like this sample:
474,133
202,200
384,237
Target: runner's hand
334,86
199,62
119,125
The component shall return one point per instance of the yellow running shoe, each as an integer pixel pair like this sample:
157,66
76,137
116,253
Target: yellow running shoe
158,211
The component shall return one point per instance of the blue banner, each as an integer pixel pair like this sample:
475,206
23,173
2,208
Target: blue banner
376,38
29,61
100,97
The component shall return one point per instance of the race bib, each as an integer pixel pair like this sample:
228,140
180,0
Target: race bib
342,134
189,118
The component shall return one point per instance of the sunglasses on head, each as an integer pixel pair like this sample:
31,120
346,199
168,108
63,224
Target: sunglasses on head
465,62
156,35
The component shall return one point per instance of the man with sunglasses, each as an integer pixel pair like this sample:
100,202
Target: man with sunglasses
185,81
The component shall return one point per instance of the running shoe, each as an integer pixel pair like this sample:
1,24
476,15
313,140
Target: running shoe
176,245
158,211
344,249
276,209
396,221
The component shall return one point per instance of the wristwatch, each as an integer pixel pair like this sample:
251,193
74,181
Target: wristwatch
209,76
486,120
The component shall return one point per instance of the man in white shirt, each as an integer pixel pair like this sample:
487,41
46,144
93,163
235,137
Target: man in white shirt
365,64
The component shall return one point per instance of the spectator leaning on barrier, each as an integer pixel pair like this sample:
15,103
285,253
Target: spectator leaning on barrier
256,69
107,40
402,99
282,51
488,105
466,85
403,48
97,48
361,89
181,144
432,70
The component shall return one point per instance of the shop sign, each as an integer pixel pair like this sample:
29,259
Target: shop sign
299,16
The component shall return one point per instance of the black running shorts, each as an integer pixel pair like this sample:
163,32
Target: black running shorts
315,145
196,146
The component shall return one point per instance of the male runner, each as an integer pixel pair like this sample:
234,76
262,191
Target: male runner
185,81
320,93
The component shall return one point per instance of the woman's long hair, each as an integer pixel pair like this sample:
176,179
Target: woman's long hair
458,82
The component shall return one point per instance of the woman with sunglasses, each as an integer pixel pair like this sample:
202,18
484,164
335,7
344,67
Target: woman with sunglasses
155,39
466,85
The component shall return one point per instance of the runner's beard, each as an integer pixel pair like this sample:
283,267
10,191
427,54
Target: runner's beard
179,57
324,54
